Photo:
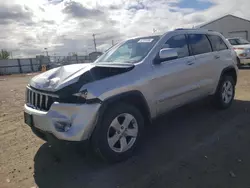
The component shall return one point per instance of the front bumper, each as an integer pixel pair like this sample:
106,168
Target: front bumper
81,117
245,60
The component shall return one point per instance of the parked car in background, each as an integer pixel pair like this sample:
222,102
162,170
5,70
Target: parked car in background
242,48
108,102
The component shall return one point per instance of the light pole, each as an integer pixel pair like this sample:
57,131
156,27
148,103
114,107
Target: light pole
94,41
46,50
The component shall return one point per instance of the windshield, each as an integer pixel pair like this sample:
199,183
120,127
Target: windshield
131,51
238,41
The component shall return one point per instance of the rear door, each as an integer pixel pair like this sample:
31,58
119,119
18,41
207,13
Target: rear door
205,62
222,53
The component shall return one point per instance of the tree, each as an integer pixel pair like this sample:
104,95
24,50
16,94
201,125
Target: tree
4,54
74,54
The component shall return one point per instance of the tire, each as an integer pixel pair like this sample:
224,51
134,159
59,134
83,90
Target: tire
107,131
219,97
238,63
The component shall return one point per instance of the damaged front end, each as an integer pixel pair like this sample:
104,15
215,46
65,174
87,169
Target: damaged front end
66,83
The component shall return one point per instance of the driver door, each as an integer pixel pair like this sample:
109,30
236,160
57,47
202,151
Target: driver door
175,83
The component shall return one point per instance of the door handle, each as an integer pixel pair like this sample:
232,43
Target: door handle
190,62
217,57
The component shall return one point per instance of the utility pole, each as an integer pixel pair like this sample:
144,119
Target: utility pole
94,41
46,50
54,57
112,42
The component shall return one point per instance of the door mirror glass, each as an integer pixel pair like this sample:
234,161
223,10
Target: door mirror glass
167,54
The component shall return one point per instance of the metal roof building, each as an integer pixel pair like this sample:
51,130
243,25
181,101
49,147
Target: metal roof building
230,26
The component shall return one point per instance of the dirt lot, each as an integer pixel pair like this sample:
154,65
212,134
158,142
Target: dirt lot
194,146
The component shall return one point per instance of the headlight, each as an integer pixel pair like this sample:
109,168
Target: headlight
82,94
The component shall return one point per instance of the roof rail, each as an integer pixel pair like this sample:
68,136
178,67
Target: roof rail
182,29
193,29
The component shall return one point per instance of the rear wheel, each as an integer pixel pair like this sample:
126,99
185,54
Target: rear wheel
119,133
224,95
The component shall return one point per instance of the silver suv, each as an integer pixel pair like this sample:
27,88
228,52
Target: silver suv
109,101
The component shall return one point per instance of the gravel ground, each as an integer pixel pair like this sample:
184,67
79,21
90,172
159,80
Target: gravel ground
194,146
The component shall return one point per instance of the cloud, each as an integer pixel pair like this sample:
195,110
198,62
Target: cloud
16,13
77,10
55,1
51,22
42,9
63,26
137,6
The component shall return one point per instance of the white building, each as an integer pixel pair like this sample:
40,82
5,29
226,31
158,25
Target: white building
230,26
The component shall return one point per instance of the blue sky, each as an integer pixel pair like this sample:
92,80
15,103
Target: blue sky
195,4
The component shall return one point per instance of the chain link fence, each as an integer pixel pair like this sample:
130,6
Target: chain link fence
28,65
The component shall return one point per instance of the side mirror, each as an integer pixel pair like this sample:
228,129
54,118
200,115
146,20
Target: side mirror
166,54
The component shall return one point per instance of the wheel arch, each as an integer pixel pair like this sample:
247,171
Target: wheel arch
227,71
231,71
133,97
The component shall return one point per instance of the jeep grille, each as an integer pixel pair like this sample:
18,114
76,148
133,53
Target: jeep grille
38,100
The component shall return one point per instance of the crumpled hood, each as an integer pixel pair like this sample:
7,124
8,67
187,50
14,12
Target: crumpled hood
56,78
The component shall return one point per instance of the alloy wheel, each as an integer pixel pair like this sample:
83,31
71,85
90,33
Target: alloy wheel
122,132
227,92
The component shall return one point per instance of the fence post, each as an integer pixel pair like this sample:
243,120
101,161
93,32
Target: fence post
40,62
31,65
20,67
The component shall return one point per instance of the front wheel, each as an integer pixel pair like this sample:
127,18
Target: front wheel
119,132
224,95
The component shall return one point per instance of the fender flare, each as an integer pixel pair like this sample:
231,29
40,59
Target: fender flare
119,97
223,72
228,69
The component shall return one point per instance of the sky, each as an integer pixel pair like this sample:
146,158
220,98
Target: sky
66,26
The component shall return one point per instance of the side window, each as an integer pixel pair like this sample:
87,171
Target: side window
178,42
217,43
199,44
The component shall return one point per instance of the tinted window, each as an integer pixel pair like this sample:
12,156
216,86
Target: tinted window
217,43
199,44
180,44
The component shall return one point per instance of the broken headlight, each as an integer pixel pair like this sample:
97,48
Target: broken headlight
82,94
79,97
